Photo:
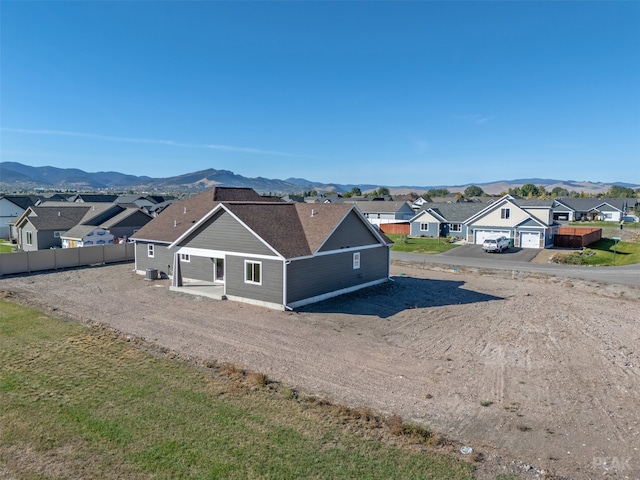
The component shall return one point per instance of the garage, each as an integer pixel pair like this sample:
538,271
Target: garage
480,235
529,240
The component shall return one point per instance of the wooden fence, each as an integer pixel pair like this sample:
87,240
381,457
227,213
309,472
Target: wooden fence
56,258
395,228
576,237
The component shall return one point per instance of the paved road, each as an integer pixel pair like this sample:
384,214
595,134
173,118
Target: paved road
466,257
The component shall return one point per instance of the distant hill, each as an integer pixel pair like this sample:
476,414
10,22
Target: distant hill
16,177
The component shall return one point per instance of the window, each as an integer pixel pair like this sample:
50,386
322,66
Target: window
356,260
504,213
150,252
57,234
185,257
455,227
252,272
29,238
424,227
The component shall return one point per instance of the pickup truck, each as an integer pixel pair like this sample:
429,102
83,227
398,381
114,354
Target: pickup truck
496,244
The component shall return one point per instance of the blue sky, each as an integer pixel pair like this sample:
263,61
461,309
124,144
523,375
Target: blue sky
386,93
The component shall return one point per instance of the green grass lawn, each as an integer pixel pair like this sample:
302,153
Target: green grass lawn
80,402
6,247
602,253
420,245
631,225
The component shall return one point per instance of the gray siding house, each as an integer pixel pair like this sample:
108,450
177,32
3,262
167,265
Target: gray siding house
274,254
46,225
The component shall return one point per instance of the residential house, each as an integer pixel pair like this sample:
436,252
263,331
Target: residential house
528,223
46,225
85,236
280,255
443,219
11,207
378,213
590,209
39,228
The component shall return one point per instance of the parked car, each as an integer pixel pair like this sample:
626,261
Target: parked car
496,244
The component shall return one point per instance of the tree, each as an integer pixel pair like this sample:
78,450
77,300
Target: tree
355,192
617,191
382,191
473,191
529,190
559,192
437,192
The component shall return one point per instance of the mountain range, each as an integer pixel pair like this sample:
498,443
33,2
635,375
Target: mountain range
18,177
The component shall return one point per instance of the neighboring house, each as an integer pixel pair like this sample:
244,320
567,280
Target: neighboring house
590,209
44,226
378,213
11,207
443,219
418,203
39,228
280,255
178,217
528,223
126,223
85,236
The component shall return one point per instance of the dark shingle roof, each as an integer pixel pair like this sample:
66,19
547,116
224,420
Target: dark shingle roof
79,231
586,204
22,201
126,213
181,215
57,218
455,212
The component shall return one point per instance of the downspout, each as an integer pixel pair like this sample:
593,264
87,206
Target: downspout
284,285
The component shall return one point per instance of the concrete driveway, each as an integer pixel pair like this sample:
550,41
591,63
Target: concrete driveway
513,254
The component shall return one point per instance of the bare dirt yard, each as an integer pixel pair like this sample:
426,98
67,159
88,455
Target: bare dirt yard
540,374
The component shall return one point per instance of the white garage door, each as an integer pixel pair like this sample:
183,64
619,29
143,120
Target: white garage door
530,240
482,234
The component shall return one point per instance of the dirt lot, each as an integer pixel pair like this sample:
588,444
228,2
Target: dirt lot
537,373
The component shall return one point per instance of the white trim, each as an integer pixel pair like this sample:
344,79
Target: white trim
335,293
205,252
253,282
151,250
356,260
185,257
210,214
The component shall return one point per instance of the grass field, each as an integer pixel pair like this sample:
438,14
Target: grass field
6,247
630,225
81,402
603,253
420,245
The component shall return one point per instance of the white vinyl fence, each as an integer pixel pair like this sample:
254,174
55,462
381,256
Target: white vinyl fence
55,258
